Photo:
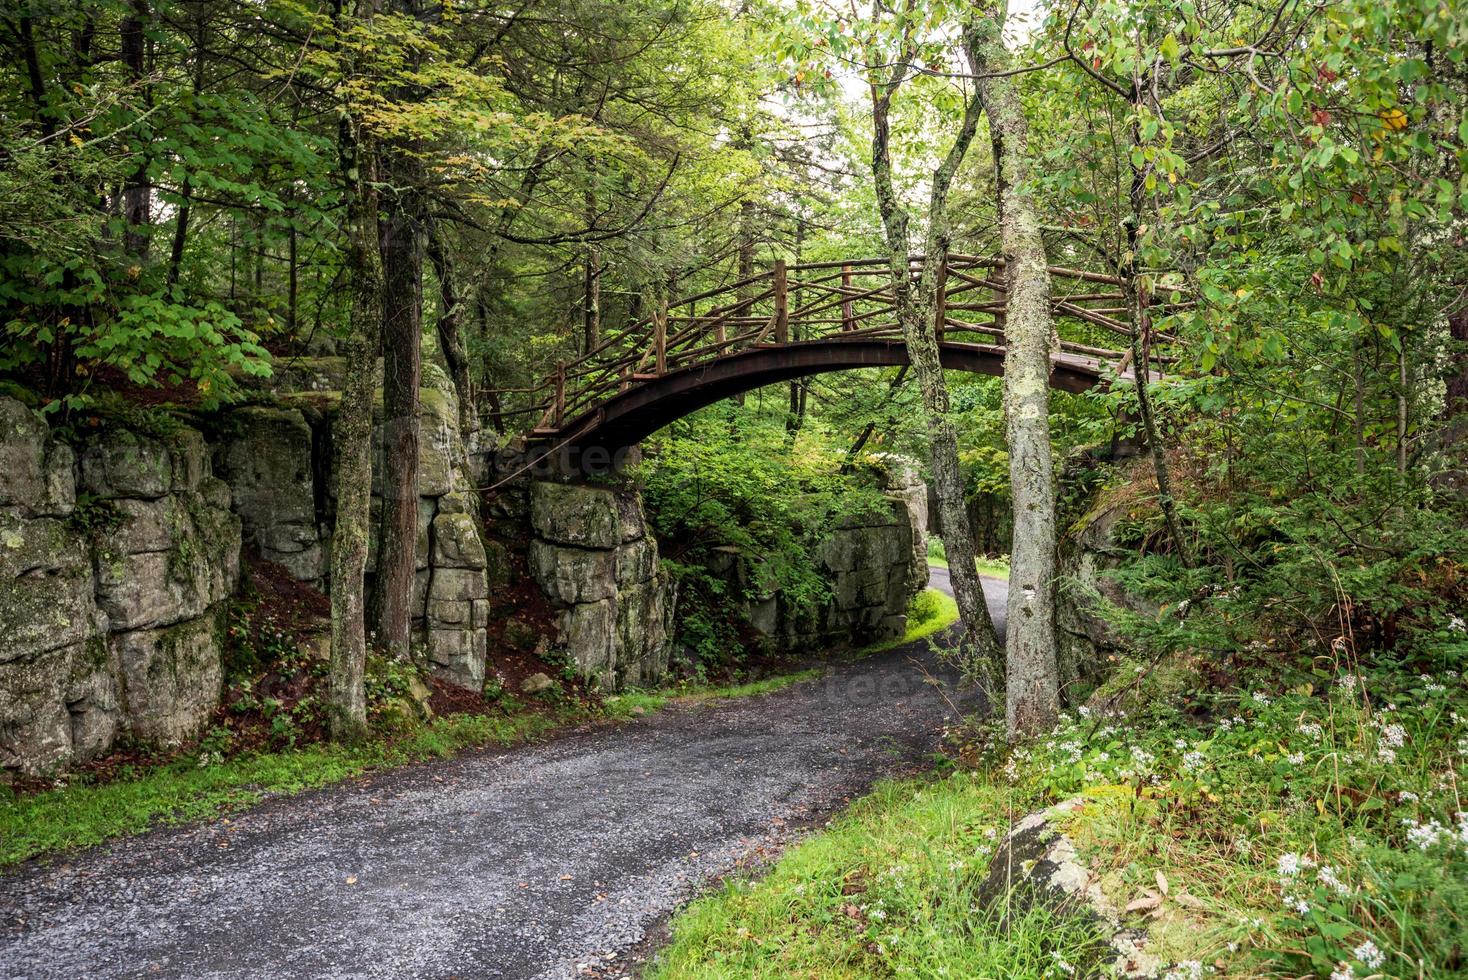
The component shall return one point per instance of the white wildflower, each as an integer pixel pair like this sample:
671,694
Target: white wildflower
1298,905
1295,758
1456,624
1312,729
1368,954
1394,735
1288,865
1424,835
1186,970
1194,761
1342,972
1328,878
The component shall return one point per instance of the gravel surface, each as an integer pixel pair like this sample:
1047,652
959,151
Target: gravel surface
552,860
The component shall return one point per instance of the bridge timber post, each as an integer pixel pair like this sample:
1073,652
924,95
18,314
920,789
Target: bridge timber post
660,335
848,308
782,304
940,300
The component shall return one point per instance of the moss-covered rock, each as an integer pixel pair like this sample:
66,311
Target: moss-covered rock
171,677
36,471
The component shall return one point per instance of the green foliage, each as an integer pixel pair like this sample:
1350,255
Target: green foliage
889,889
755,503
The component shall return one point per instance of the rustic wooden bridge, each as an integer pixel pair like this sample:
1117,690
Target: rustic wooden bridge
794,320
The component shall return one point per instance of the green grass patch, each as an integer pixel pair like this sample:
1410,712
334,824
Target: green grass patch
929,612
992,567
77,816
625,705
889,889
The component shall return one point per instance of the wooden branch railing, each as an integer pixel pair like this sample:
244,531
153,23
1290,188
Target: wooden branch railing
843,299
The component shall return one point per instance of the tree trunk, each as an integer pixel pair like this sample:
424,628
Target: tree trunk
352,437
1032,675
137,204
450,339
402,312
978,653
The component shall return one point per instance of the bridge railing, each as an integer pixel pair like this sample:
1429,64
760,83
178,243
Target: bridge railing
793,302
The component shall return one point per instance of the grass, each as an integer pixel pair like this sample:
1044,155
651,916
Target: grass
626,705
1305,833
888,889
992,567
929,612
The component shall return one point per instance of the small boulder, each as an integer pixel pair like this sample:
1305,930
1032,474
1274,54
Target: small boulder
536,683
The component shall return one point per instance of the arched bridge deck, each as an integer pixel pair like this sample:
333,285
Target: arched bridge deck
791,321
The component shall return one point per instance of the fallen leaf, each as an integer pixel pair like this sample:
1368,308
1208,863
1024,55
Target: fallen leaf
351,879
1145,903
565,877
1162,882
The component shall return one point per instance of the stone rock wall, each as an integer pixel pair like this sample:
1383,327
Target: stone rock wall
116,558
277,460
593,556
1088,549
874,564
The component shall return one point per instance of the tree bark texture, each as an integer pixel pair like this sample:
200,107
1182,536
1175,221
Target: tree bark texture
352,437
402,313
1032,694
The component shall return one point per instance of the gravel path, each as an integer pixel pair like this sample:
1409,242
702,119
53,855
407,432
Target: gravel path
553,860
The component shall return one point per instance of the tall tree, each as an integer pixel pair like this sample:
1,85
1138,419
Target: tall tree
352,435
916,304
1032,696
401,244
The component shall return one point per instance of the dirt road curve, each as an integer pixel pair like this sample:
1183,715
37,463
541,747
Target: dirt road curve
548,861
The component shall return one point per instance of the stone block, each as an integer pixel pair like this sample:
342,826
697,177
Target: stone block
46,593
147,590
637,561
457,656
189,458
587,517
451,613
572,575
457,585
35,729
93,701
121,463
588,633
268,466
149,525
36,472
641,651
171,677
457,542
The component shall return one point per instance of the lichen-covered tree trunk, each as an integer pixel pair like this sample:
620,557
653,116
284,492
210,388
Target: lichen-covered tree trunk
1032,700
402,324
979,648
352,439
